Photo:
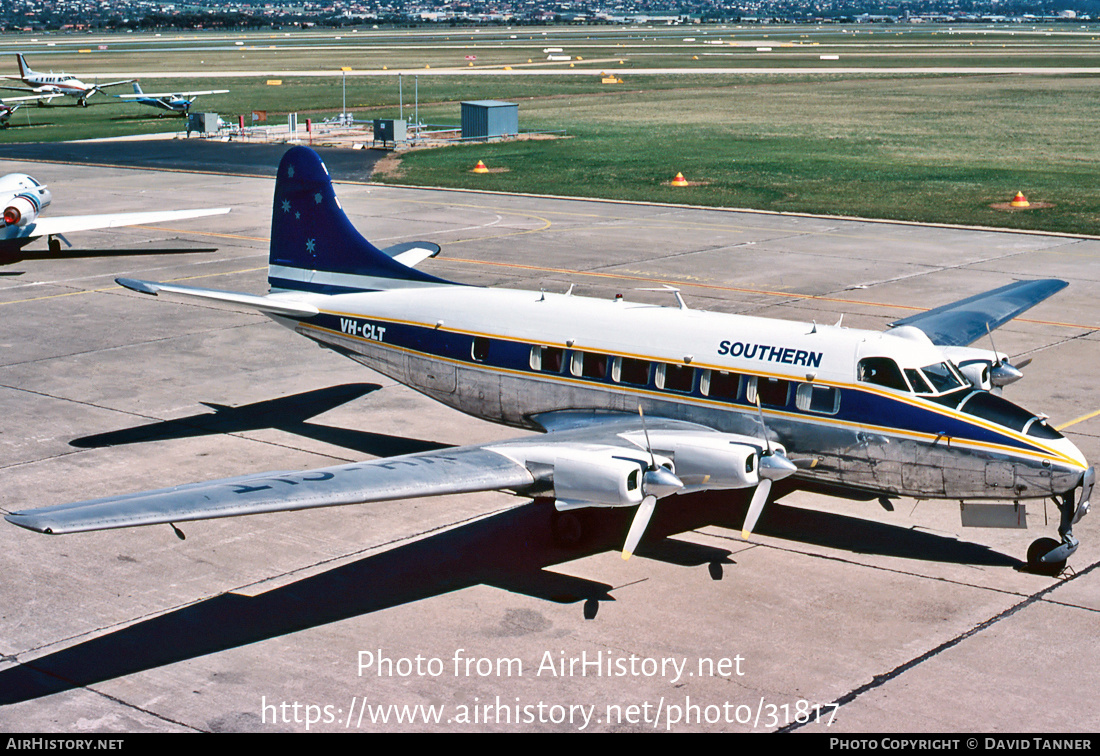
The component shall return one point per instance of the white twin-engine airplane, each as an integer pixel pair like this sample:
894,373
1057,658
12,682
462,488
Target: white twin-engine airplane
55,84
638,402
24,198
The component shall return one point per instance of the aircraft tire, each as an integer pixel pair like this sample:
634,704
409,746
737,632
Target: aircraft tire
1035,552
567,529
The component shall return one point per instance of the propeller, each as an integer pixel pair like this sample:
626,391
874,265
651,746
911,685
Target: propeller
656,482
1001,373
773,465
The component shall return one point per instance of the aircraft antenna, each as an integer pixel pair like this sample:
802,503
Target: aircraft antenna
672,290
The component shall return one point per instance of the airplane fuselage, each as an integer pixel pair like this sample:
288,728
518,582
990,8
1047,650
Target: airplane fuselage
59,83
512,356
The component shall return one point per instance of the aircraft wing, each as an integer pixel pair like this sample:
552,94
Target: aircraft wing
69,224
964,322
136,96
46,97
585,459
447,471
114,83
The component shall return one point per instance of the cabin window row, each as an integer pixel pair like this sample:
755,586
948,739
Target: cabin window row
684,379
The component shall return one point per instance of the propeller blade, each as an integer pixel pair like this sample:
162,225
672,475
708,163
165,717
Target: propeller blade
756,506
638,526
763,427
648,447
1024,363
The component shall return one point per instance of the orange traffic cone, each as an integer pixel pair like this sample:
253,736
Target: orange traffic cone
1020,200
679,180
480,167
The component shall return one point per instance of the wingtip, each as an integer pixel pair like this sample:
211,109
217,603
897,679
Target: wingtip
28,523
143,287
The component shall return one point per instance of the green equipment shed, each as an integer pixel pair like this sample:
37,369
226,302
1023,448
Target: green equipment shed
489,119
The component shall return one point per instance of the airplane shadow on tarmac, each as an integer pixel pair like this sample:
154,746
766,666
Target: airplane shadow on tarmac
512,550
287,413
78,253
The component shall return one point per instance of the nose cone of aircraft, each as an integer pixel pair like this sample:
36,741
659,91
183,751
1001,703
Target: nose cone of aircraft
1072,456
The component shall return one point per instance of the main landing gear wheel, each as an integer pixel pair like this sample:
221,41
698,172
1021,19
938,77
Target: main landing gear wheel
567,528
1035,553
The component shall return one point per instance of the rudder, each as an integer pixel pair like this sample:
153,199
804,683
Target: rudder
314,247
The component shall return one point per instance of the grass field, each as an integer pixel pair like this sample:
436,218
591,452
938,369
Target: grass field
937,147
934,149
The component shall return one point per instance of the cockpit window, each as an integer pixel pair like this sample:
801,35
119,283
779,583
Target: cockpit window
916,380
882,371
1039,429
996,409
942,377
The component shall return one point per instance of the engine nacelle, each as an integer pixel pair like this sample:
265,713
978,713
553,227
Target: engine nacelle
707,461
597,479
978,373
23,198
985,369
21,210
711,460
587,475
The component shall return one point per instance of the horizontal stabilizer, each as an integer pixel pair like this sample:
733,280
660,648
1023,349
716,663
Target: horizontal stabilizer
964,322
447,471
273,305
412,253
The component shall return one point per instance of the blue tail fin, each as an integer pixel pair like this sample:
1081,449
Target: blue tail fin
314,247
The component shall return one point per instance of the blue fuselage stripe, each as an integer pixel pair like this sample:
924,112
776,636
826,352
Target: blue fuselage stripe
862,407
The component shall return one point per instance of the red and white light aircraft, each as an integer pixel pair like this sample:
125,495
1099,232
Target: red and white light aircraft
57,84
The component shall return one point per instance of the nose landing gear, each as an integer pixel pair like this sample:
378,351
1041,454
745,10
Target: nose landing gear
1047,556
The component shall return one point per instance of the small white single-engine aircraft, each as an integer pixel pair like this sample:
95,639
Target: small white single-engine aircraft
24,198
176,102
58,83
637,402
